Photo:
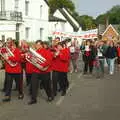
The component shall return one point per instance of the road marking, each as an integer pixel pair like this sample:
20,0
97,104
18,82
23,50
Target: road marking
62,97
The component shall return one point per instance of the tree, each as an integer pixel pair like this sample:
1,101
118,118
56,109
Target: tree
55,4
87,22
119,29
113,16
101,19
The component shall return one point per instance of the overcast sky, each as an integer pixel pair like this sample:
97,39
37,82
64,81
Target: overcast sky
94,7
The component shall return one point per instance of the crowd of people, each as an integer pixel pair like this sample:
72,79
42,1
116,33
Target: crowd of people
51,75
59,59
98,54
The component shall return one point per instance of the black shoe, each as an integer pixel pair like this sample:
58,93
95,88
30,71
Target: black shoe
85,73
63,93
59,90
32,102
50,99
6,99
41,87
21,96
55,94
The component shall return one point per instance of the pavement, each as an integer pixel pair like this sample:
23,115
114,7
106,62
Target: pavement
87,98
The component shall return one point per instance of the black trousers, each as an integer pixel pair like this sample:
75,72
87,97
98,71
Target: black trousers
55,79
36,78
28,78
63,81
9,81
88,64
5,82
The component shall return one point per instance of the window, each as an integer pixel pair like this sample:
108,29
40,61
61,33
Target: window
41,8
26,8
55,26
27,30
3,38
2,5
41,33
16,4
63,26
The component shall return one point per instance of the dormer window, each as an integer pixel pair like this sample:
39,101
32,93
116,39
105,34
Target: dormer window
16,5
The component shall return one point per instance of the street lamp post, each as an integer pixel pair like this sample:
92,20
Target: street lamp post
2,5
17,35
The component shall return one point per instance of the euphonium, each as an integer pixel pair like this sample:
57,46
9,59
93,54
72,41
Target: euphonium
6,53
32,56
36,59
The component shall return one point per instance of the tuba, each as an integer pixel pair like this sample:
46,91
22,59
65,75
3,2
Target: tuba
5,52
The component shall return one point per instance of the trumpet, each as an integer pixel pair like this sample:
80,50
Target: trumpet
36,59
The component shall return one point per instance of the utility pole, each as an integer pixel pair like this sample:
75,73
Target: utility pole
106,21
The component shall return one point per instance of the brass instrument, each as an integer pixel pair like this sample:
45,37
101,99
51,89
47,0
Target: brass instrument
5,52
36,59
32,56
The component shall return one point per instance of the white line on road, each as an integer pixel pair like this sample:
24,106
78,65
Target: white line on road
62,97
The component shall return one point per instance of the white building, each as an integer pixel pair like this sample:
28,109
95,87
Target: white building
63,21
25,19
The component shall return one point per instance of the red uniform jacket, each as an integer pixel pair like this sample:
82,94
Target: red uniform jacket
16,58
61,62
48,56
28,68
118,51
23,60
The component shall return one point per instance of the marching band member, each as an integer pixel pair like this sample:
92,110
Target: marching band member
38,74
46,46
66,48
54,66
4,85
27,65
61,65
52,75
13,72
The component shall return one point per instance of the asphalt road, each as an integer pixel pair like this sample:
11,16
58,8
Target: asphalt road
87,98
